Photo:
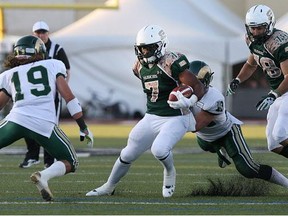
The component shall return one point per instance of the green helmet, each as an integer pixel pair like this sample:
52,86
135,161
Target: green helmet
202,71
29,46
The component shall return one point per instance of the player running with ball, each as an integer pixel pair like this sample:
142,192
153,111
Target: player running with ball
160,71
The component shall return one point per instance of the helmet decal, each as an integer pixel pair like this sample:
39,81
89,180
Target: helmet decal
202,71
29,46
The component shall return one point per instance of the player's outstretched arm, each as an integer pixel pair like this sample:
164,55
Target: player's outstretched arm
75,110
245,73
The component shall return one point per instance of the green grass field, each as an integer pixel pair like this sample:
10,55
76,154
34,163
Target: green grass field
139,193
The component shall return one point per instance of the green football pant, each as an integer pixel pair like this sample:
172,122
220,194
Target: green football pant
58,144
238,150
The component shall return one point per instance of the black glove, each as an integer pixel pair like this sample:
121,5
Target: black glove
232,86
267,101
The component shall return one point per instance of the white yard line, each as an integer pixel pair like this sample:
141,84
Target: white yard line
153,203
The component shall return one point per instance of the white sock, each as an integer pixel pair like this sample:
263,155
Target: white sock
278,178
168,163
169,170
58,168
118,171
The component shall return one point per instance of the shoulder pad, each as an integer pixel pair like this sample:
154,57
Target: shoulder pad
277,39
173,61
169,58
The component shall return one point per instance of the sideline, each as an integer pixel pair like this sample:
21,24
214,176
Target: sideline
121,129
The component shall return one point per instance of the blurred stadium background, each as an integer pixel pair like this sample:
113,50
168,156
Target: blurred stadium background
98,36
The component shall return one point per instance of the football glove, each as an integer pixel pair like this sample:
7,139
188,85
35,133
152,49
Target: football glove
232,86
182,101
266,101
88,135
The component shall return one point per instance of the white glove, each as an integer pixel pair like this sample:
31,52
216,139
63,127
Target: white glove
182,101
266,101
89,137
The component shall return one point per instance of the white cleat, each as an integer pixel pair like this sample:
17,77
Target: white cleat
42,186
29,163
168,191
169,183
102,191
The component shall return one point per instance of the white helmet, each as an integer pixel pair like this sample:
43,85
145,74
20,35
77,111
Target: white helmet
260,15
154,40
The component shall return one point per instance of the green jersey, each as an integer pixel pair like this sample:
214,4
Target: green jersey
270,54
159,80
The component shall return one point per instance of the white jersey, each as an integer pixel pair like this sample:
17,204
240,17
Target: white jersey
32,88
213,102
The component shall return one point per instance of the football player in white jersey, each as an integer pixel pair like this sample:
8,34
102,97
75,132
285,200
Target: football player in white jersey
32,83
218,131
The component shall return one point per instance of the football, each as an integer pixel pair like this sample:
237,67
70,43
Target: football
186,90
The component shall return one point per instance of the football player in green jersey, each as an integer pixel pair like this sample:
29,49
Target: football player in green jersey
160,71
269,50
32,83
220,132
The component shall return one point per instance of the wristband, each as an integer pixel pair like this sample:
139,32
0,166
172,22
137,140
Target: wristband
238,79
275,93
193,99
81,123
73,106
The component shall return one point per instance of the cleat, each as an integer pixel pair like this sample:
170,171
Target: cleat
42,186
102,191
29,163
169,183
168,191
221,162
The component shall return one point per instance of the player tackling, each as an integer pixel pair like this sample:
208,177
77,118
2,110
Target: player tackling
218,131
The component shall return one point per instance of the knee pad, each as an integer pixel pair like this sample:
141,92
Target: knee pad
159,153
122,161
125,157
128,154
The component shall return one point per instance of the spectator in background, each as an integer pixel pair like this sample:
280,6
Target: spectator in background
54,51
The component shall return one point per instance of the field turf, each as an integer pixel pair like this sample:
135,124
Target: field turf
139,192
